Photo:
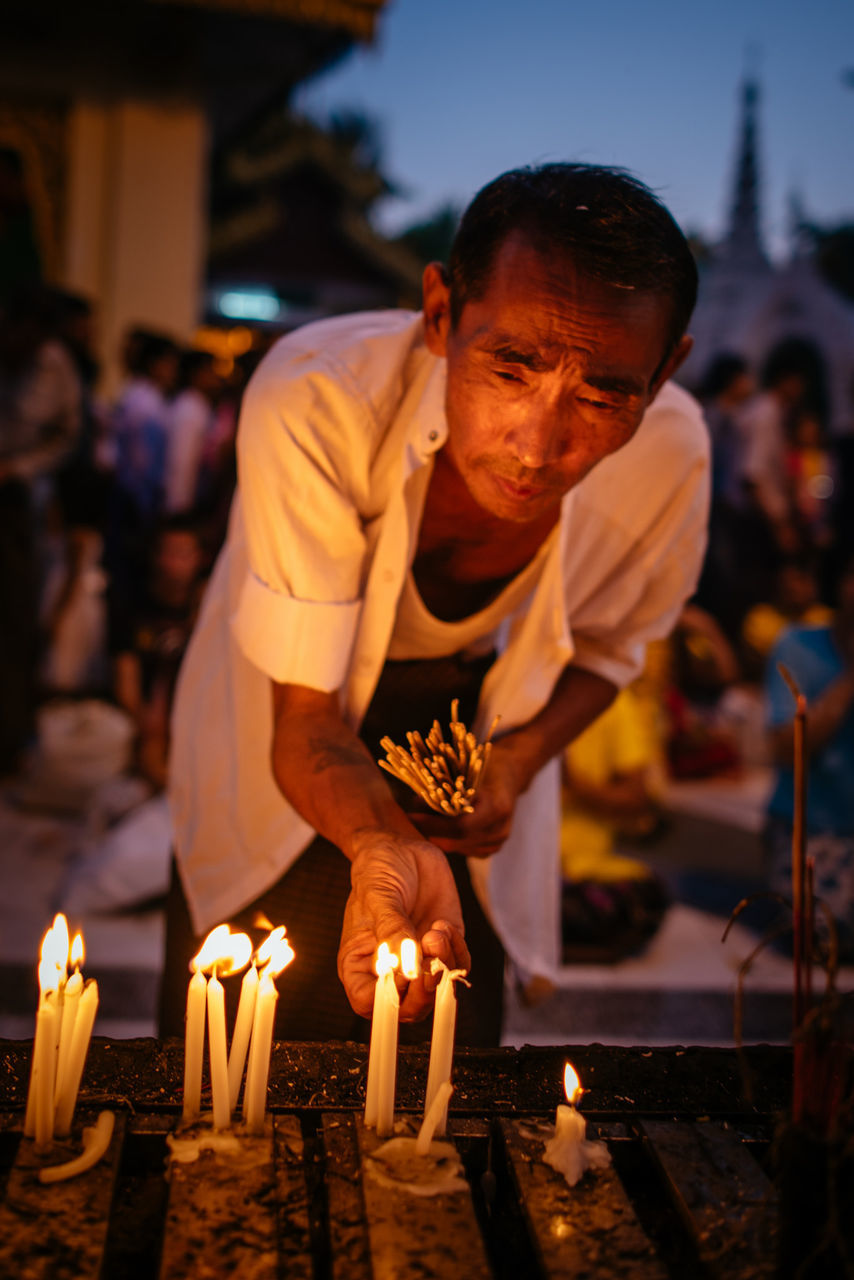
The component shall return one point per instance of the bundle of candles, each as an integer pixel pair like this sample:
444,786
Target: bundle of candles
64,1020
224,953
446,775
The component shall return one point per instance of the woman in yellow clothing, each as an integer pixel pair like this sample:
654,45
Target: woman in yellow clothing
611,904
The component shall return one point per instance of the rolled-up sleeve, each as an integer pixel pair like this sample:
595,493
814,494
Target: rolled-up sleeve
303,446
295,641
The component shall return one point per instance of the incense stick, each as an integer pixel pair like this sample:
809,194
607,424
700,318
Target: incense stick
445,774
798,840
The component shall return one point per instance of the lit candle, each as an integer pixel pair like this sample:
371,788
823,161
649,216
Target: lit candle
44,1059
70,1000
568,1150
260,1048
278,954
60,952
218,1052
51,971
83,1023
382,1055
194,1044
442,1042
242,1031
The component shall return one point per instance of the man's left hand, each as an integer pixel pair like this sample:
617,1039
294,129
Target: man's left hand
482,833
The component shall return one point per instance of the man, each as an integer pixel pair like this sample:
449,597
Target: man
457,503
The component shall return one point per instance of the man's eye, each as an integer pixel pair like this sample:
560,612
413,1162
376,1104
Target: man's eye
597,404
507,376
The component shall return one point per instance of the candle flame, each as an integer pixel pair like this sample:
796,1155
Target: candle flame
270,943
78,951
386,960
49,975
229,952
54,950
571,1084
277,952
60,936
409,958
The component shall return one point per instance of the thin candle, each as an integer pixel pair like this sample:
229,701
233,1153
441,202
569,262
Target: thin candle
44,1060
242,1032
83,1024
382,1055
218,1051
194,1044
51,970
278,953
71,998
442,1041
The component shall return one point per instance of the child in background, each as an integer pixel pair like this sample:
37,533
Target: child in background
611,904
796,603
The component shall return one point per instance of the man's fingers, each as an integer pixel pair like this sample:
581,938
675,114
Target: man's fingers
446,942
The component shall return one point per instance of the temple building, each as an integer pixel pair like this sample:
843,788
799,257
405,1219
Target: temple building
748,304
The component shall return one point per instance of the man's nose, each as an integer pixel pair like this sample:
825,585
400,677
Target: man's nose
539,437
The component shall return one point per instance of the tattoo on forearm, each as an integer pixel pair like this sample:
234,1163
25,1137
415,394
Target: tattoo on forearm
326,754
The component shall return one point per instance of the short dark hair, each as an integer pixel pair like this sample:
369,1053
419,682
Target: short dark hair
606,220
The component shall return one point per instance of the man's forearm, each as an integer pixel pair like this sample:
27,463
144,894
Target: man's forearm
578,698
326,772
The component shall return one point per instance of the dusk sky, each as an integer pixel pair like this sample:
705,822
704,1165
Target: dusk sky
465,89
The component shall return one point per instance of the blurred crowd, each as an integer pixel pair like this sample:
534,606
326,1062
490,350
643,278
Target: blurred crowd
777,588
112,511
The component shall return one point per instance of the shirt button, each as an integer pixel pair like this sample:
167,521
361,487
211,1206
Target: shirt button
433,436
388,575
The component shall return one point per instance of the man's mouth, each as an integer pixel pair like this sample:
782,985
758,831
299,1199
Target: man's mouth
520,489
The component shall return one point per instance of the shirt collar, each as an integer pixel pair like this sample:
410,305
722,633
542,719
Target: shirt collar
429,422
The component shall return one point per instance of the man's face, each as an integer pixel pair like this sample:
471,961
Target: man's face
548,373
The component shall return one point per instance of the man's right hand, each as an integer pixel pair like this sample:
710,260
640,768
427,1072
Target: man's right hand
402,887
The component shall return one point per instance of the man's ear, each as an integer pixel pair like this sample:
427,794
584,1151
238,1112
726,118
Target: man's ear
677,357
437,308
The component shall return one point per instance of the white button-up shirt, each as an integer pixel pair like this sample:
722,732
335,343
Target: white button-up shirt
337,435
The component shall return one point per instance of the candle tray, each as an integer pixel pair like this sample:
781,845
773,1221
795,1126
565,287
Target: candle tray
688,1193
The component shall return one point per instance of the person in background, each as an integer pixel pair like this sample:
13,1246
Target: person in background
726,388
767,422
149,632
611,904
40,414
703,666
138,428
796,601
812,476
73,608
189,426
821,660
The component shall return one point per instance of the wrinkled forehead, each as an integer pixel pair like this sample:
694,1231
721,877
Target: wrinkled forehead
531,263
